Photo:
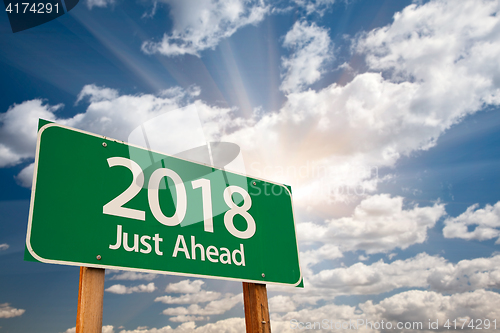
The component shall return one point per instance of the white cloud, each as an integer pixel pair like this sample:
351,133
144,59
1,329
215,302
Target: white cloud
230,325
421,271
183,318
216,307
378,277
108,114
116,116
281,303
422,306
435,64
185,287
337,313
379,224
99,3
466,275
18,130
447,50
4,246
183,328
97,94
408,307
25,177
311,50
486,221
6,311
202,24
121,289
315,6
132,276
197,297
193,294
105,329
439,42
310,258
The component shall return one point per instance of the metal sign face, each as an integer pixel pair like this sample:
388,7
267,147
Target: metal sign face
100,202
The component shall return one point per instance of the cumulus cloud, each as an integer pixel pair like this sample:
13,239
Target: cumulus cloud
421,271
192,294
132,276
379,224
230,325
432,66
466,275
185,286
186,318
337,313
109,114
121,289
108,329
486,222
6,311
420,306
184,328
117,115
315,6
25,177
105,329
198,297
456,39
4,246
99,3
96,94
200,25
412,307
18,130
310,258
216,307
109,117
311,50
378,277
281,303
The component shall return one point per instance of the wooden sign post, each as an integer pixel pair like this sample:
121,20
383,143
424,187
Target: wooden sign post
256,308
90,299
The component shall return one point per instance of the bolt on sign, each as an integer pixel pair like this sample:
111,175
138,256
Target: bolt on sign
103,203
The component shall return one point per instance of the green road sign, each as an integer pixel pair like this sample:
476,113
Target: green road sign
100,202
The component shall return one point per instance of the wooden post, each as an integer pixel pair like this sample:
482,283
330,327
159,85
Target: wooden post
256,308
90,298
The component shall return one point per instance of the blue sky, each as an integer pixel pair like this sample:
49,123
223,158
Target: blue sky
381,115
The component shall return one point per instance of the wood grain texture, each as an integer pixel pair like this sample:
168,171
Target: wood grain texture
90,299
256,308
